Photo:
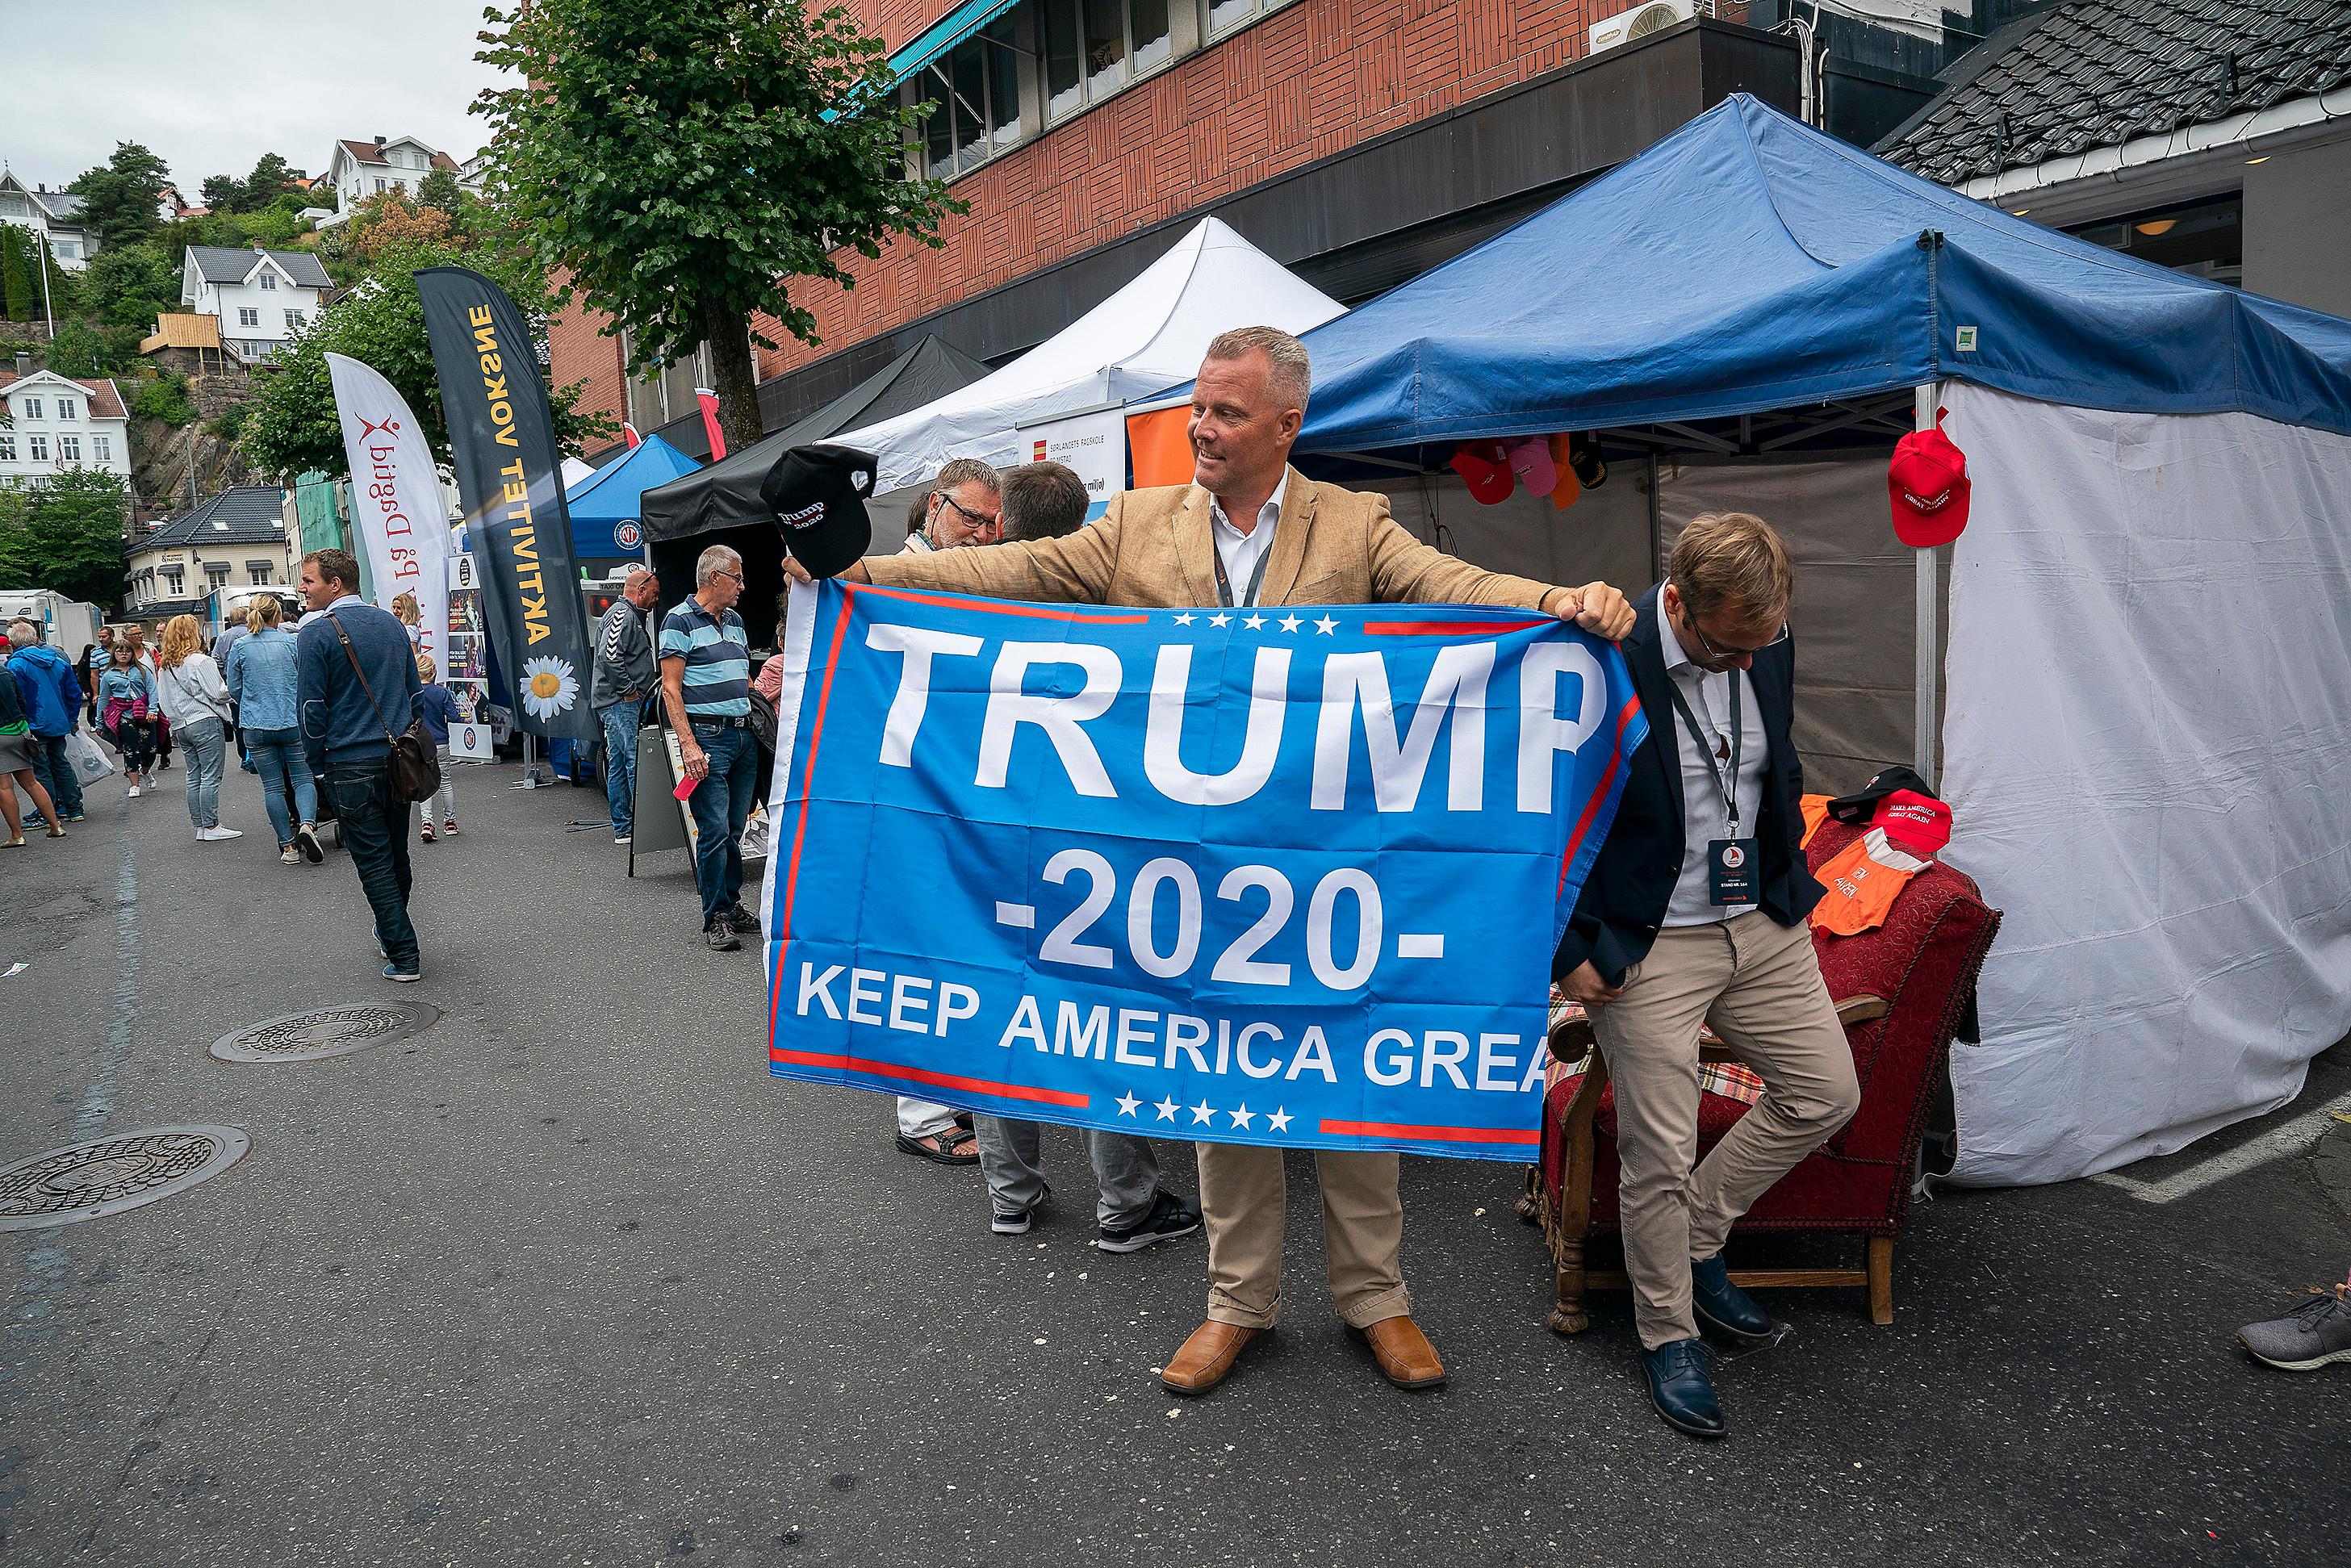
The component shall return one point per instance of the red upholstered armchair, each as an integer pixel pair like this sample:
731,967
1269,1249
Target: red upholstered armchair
1901,990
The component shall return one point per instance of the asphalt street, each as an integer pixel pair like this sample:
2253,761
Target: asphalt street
567,1277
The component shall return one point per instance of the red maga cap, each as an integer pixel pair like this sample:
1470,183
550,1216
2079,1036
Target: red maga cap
1927,484
1913,823
1487,473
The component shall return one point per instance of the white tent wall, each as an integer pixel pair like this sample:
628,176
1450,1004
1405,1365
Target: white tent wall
2148,723
1854,607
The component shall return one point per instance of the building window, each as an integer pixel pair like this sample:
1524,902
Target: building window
975,91
7,449
259,571
248,316
269,281
379,187
38,447
1224,13
216,575
293,319
2204,239
67,409
102,448
1093,47
70,449
28,408
66,249
172,581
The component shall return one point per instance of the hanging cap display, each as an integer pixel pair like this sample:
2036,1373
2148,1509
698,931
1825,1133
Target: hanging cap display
818,495
1570,488
1927,484
1591,468
1481,466
1530,458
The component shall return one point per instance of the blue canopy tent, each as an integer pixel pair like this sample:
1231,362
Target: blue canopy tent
1748,263
605,506
2148,655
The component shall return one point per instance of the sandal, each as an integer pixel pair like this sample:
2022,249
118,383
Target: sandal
18,842
949,1146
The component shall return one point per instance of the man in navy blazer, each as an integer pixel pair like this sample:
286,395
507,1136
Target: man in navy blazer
1695,912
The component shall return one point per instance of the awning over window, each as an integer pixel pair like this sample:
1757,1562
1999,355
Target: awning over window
945,33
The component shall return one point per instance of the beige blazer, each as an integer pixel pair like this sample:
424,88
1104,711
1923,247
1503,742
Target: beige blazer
1153,549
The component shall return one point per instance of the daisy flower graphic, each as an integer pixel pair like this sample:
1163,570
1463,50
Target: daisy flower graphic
549,687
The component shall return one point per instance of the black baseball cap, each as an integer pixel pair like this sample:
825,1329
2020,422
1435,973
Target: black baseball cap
1862,804
818,495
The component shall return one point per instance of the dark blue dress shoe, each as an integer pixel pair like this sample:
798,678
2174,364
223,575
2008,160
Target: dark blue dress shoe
1724,1307
1680,1388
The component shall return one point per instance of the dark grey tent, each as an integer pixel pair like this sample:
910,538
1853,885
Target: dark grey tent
726,494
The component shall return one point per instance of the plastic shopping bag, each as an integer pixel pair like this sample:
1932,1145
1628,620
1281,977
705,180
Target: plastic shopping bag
88,758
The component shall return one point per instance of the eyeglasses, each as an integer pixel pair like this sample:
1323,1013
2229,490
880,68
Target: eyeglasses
1715,649
724,572
979,520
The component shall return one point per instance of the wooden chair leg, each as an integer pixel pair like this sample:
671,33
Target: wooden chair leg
1881,1280
1568,1316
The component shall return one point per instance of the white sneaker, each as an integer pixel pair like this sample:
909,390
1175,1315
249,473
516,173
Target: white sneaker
134,793
215,835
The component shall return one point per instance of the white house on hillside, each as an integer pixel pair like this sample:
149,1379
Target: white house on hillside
55,423
362,169
56,213
262,297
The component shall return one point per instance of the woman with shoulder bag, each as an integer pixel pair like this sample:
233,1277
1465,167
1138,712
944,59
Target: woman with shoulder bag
195,704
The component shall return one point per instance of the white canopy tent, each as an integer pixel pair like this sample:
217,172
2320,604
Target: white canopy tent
1146,337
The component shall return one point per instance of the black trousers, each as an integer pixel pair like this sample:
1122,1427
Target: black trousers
375,831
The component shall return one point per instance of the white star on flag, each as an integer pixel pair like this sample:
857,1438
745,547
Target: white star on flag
1328,627
1201,1112
1219,620
1290,622
1166,1109
1128,1103
1254,621
1186,619
1242,1117
1279,1122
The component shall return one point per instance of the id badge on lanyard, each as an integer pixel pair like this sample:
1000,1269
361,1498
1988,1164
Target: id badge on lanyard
1732,863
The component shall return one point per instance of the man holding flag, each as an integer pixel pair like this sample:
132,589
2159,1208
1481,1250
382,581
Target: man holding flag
1251,531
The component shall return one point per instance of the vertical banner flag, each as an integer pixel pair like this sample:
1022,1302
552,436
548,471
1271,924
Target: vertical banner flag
1091,446
709,401
396,498
1287,876
509,480
466,671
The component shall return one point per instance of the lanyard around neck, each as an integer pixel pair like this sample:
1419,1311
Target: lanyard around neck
1224,583
1728,788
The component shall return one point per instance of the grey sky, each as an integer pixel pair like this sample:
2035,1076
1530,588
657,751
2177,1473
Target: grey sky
211,88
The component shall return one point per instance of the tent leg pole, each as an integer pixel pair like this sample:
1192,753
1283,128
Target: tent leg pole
1926,399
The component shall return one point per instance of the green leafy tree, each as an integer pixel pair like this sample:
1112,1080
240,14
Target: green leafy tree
163,396
20,284
290,423
119,197
81,349
439,189
130,286
66,535
271,177
223,192
674,165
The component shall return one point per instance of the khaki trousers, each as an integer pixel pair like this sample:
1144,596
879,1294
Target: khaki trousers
1244,1199
1758,983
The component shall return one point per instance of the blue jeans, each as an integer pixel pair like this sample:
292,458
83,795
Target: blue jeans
722,804
276,756
208,747
375,830
55,770
621,721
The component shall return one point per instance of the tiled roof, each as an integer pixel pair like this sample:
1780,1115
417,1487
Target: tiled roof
240,515
230,264
365,151
104,401
2098,73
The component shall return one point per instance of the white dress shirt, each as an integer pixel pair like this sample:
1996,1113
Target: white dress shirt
1241,551
1704,816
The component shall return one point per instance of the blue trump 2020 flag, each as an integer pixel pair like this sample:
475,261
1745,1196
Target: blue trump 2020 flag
1287,876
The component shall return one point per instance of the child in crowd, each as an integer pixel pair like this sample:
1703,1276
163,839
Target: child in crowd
436,708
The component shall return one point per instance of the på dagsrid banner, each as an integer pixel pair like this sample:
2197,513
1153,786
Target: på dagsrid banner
1287,876
396,498
509,480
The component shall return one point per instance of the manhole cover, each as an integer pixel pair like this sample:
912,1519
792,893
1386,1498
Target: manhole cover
106,1176
331,1031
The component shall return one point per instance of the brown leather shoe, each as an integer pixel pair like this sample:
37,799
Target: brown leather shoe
1403,1353
1201,1363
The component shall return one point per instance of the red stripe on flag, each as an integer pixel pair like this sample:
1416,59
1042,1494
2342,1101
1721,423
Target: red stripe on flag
904,1074
1450,628
996,606
1431,1135
1592,807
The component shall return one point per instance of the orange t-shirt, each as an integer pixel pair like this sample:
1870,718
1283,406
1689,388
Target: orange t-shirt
1861,883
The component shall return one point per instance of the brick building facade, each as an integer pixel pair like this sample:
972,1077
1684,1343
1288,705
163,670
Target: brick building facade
1413,127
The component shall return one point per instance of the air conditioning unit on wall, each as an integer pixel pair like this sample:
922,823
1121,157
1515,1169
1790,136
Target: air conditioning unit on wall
1641,20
